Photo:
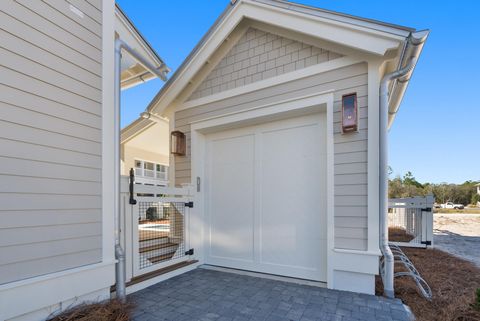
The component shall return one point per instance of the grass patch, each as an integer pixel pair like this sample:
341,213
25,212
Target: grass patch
398,234
453,281
110,310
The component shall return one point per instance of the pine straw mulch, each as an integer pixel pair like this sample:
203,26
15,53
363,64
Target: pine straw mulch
453,282
110,310
398,234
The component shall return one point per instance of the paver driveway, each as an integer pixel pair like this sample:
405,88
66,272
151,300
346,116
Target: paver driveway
212,295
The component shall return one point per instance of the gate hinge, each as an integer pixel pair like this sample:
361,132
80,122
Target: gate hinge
427,242
189,252
189,204
427,209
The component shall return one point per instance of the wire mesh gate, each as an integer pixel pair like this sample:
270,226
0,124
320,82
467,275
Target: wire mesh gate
156,225
410,221
161,231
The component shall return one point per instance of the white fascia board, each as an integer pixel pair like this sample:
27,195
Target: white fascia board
365,40
341,17
127,32
358,37
129,35
196,62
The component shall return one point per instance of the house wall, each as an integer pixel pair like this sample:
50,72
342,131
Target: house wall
50,137
56,106
350,151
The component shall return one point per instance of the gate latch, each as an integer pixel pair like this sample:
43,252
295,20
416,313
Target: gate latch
189,204
189,252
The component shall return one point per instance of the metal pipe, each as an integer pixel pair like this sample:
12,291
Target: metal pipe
120,284
119,253
383,184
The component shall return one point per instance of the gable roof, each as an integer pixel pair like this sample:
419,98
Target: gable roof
242,69
134,73
365,35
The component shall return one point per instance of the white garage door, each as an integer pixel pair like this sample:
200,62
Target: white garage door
265,198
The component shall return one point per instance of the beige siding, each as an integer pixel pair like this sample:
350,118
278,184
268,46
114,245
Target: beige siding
131,154
260,55
50,137
350,151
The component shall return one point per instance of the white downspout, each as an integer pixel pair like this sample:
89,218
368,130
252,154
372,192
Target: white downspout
389,104
120,288
384,104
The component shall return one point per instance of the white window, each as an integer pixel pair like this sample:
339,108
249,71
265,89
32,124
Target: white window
138,168
151,170
161,171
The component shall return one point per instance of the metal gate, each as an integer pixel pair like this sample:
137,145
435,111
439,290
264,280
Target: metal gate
410,221
156,221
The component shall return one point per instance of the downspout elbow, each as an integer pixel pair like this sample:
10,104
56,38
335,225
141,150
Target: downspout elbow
413,48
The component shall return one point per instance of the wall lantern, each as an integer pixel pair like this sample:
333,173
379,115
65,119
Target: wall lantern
178,143
349,113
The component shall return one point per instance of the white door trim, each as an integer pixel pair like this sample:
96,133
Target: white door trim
321,102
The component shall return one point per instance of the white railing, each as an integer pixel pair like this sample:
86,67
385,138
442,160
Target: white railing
410,221
168,216
151,181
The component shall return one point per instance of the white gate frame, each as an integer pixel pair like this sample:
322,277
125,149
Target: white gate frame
425,204
129,220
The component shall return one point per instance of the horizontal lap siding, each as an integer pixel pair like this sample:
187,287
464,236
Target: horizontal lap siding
50,137
350,151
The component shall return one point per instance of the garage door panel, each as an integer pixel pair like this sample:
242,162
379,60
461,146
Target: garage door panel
266,198
231,204
290,219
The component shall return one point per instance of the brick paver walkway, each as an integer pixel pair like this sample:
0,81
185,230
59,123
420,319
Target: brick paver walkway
212,295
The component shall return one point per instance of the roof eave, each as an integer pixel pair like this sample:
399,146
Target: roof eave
134,128
413,49
394,37
138,34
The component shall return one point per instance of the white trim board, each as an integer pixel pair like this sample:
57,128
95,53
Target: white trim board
270,82
108,129
298,105
26,296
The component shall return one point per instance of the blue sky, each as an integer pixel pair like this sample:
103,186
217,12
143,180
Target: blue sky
436,132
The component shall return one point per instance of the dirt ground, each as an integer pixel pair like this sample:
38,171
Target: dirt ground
458,234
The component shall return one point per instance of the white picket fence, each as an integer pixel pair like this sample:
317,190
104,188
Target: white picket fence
410,221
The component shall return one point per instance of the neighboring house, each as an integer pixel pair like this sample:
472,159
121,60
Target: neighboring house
56,150
287,181
145,148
